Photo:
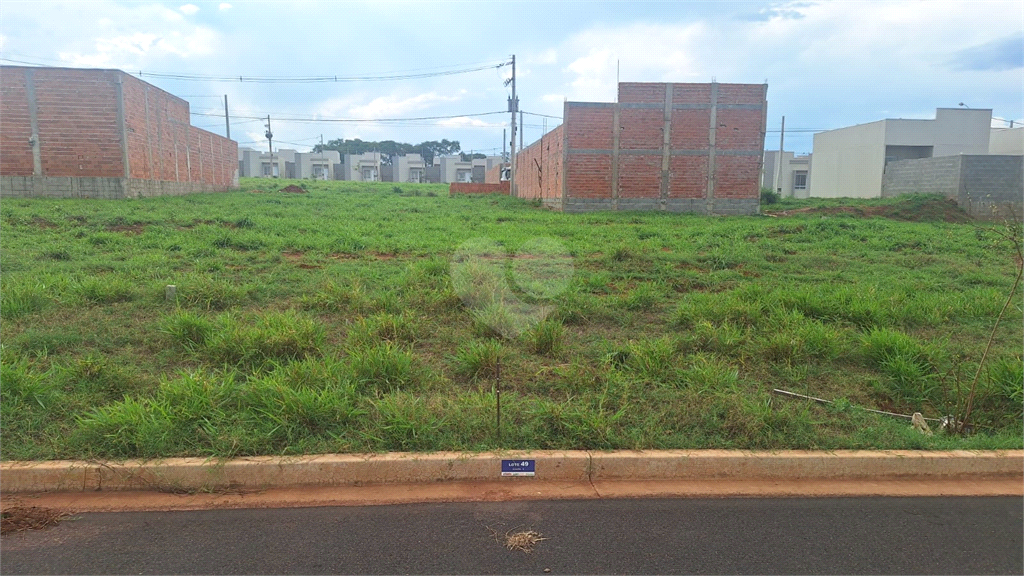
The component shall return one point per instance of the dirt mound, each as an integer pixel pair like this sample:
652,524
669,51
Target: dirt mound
18,518
911,210
292,189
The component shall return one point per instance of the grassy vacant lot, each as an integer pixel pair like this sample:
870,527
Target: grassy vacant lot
328,322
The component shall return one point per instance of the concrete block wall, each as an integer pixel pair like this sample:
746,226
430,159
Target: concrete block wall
931,175
985,186
992,187
104,124
673,147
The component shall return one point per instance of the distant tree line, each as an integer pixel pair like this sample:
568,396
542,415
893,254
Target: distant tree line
389,149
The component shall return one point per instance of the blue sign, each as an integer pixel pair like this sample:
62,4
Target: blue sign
518,467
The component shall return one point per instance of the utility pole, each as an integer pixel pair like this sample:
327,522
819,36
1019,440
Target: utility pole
513,106
227,121
323,164
270,143
778,169
503,143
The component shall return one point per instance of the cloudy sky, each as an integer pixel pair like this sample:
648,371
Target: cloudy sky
827,64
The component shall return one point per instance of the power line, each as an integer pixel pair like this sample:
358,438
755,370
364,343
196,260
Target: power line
354,120
542,115
313,79
408,75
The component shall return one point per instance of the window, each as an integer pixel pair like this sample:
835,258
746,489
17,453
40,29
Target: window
800,180
416,175
319,172
464,176
270,170
369,175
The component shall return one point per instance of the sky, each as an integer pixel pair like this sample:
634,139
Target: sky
827,64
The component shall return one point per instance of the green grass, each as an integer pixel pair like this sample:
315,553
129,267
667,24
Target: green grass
356,318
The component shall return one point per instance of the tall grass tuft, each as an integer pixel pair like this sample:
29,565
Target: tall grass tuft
546,338
383,327
382,368
250,340
22,299
478,359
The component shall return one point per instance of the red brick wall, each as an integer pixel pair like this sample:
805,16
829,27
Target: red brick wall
76,115
539,169
15,127
79,135
493,176
588,131
588,125
588,161
152,138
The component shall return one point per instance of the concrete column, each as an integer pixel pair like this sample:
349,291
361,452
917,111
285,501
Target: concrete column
149,136
713,131
33,118
174,137
565,152
201,157
160,143
615,156
666,145
122,127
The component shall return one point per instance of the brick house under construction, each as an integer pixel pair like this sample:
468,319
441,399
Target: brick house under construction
674,147
76,133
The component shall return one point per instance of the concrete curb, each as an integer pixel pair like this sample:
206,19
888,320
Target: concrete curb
198,474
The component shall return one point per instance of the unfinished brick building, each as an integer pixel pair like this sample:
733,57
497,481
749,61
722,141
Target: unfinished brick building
74,133
675,147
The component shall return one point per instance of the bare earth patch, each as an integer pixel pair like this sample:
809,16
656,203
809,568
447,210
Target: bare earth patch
292,189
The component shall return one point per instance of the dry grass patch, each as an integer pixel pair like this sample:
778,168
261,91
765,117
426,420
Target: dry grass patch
21,518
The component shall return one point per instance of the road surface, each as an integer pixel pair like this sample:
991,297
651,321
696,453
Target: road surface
950,535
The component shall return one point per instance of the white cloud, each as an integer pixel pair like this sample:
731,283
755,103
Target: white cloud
392,106
224,6
133,50
188,9
465,122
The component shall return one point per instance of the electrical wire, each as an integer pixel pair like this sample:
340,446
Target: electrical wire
351,120
408,75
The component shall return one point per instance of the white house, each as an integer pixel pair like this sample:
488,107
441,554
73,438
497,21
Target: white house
849,162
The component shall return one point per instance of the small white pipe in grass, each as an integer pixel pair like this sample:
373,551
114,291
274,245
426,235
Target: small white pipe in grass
823,401
170,292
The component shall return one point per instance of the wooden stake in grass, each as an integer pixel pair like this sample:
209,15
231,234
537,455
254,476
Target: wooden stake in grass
497,396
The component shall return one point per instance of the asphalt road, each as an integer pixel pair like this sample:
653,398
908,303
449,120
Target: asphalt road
662,536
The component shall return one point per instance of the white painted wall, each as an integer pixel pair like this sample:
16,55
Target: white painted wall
848,162
1006,141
